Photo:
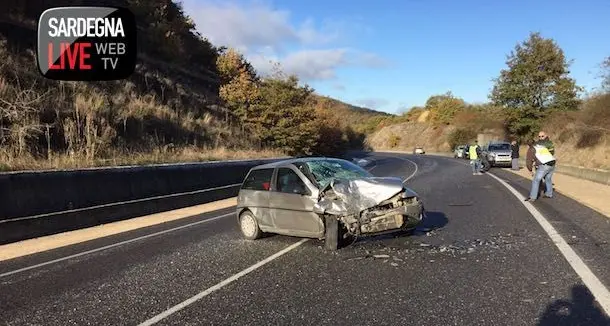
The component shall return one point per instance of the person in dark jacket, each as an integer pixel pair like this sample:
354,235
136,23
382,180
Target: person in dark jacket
530,164
514,147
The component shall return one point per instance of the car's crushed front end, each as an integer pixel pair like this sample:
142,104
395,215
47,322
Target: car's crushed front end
368,206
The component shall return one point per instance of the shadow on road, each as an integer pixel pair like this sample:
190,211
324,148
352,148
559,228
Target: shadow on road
431,222
578,311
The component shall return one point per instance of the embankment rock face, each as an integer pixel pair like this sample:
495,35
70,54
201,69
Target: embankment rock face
408,135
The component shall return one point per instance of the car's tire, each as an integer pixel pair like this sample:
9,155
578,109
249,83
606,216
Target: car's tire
485,165
331,232
248,225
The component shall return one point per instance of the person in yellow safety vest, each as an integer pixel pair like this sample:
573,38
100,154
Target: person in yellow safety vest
542,154
474,151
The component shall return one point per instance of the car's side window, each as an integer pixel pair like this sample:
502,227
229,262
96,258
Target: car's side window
258,180
290,182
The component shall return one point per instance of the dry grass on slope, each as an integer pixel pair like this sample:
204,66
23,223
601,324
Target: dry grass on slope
158,156
149,118
583,137
408,135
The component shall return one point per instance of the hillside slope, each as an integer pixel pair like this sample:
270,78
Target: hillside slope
582,137
169,110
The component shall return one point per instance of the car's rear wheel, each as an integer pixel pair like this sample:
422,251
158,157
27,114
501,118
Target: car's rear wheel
331,235
249,226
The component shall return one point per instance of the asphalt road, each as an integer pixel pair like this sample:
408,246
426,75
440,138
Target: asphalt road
479,259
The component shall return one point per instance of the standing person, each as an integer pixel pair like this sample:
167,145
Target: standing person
542,154
474,151
531,164
514,147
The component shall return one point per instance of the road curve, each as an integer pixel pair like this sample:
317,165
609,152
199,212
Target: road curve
479,259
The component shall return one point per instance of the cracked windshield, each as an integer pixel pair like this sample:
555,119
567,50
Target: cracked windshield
248,162
324,171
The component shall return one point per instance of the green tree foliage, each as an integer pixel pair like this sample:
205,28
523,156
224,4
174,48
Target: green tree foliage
282,118
443,108
461,136
275,110
332,136
535,83
284,115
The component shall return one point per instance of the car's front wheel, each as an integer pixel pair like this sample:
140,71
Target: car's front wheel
249,226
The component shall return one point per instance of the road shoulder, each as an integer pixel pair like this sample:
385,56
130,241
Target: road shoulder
591,194
31,246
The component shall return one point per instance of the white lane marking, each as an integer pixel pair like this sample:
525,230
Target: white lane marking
113,245
220,285
597,288
118,203
414,172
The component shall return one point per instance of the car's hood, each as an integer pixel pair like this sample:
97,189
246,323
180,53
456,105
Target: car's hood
355,195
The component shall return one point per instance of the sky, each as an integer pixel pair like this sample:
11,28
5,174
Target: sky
391,55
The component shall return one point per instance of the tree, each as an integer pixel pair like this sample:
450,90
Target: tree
443,108
330,128
535,83
239,84
282,117
606,75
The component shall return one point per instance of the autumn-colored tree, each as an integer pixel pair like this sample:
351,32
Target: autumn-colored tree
443,108
536,82
239,85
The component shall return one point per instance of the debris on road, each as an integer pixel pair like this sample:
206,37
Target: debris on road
401,252
381,256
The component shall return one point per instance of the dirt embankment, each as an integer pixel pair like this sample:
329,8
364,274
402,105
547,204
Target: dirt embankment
406,136
580,137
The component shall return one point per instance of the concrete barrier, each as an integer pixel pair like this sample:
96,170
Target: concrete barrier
595,175
34,204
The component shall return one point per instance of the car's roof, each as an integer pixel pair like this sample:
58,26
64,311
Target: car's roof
292,161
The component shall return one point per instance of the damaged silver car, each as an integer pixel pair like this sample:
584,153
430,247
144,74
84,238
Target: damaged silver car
324,198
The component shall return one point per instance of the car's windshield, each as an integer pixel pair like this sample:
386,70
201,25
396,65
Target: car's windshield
323,171
499,147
